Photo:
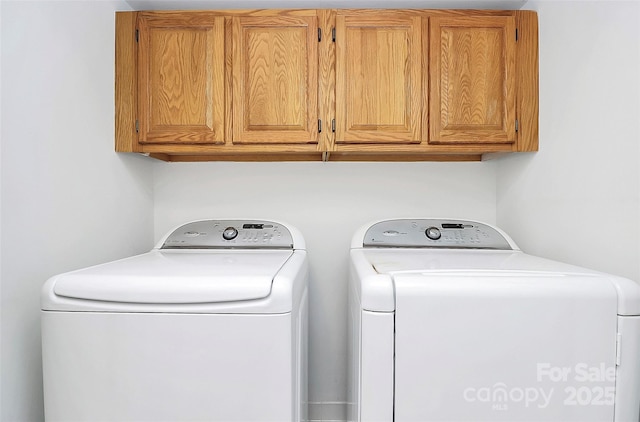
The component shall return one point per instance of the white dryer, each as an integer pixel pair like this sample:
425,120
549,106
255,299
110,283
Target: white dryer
450,321
210,325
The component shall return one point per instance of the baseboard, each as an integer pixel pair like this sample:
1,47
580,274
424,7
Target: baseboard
327,411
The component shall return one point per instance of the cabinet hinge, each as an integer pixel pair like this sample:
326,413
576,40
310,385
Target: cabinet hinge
517,125
137,35
333,125
333,34
137,126
319,126
516,34
319,34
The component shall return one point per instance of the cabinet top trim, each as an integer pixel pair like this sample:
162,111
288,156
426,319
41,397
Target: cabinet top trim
309,4
313,12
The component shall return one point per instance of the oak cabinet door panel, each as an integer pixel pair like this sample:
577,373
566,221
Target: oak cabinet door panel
275,77
472,78
181,79
378,78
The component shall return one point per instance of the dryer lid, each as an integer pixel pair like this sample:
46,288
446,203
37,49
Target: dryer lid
485,266
177,277
399,260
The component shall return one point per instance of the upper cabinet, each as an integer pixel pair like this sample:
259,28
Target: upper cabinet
215,85
346,84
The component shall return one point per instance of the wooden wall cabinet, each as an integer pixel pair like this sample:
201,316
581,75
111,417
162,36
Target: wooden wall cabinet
348,84
216,85
435,84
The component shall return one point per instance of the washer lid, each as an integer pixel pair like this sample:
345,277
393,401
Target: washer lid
177,277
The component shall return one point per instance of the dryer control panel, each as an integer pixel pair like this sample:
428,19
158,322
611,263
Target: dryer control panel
230,234
433,233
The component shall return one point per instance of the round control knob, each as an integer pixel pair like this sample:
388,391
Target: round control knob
229,233
433,233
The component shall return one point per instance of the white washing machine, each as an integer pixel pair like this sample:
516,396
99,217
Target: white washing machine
450,321
210,325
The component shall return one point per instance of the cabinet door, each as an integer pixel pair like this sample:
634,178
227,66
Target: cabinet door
181,78
472,78
379,78
275,74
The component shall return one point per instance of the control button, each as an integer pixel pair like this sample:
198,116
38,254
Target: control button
229,233
433,233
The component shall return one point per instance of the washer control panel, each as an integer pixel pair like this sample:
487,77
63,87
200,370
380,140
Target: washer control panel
432,233
223,234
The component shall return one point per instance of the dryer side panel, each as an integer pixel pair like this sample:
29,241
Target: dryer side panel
627,406
376,372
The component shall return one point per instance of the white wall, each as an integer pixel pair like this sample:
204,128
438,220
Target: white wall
68,200
327,202
578,198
